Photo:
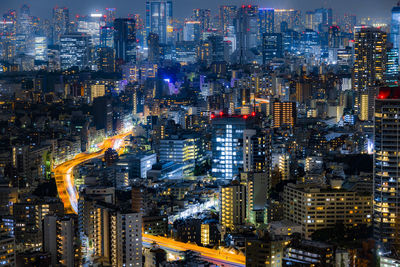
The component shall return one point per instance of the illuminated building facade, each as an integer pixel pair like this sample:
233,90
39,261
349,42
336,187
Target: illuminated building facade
272,46
317,208
227,15
386,168
191,31
395,28
204,17
233,206
370,59
159,19
266,21
284,114
227,149
74,51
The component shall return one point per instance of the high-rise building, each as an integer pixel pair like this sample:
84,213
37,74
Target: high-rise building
227,149
74,50
227,14
107,36
110,16
386,171
125,39
370,57
117,236
257,150
191,31
233,205
266,21
395,28
159,19
60,23
106,59
153,44
284,114
24,21
349,21
59,240
246,24
90,25
290,16
272,46
392,66
204,17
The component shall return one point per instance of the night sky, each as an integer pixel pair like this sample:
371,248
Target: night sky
183,8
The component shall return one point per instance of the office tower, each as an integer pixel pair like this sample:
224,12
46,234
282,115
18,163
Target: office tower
159,19
395,27
291,16
386,171
334,37
233,206
60,23
266,21
59,240
204,17
24,21
90,25
8,26
227,15
153,44
191,31
284,114
74,50
392,66
110,16
367,104
227,148
272,46
107,36
349,21
125,39
315,207
106,59
322,17
186,149
370,60
40,48
246,33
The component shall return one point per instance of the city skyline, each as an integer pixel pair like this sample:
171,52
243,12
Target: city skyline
42,8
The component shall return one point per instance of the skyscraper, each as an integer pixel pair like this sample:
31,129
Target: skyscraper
204,16
191,31
386,168
226,16
266,21
74,51
272,46
395,27
246,33
125,39
370,59
159,19
60,23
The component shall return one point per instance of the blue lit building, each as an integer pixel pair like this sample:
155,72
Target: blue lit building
227,150
395,28
159,19
266,21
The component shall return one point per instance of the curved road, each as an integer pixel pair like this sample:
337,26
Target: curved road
63,173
